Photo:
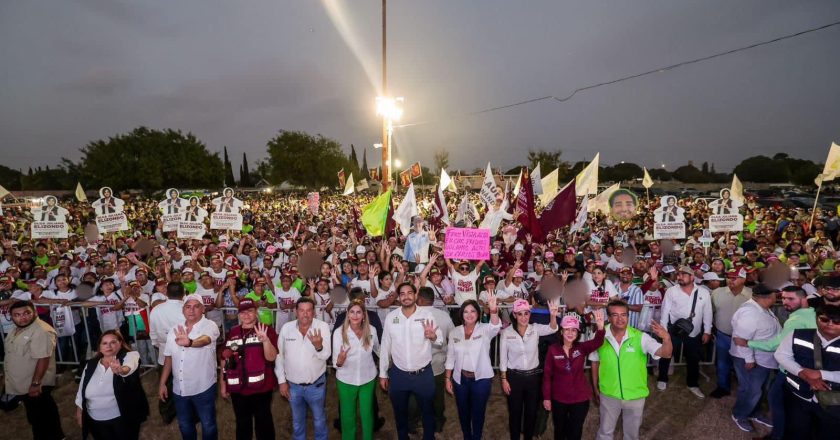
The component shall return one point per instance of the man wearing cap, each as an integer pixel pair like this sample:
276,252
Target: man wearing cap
807,413
164,318
753,320
29,370
725,301
190,357
693,303
829,293
794,300
303,349
248,377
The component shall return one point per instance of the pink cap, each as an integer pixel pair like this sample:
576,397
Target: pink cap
518,273
521,305
570,321
549,254
270,250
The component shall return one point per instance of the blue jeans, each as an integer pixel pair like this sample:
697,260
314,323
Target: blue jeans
471,397
312,397
750,387
776,401
723,361
402,385
202,405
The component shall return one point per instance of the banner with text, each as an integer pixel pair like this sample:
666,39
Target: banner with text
467,244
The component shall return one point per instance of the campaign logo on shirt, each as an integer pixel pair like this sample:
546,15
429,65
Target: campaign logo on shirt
465,286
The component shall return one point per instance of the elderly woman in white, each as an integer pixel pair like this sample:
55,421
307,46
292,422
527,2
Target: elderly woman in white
469,371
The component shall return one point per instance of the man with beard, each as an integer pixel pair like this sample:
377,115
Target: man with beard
829,293
29,368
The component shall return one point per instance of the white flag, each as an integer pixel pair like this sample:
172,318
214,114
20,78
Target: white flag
80,193
362,185
446,182
550,187
467,212
536,180
489,190
349,187
518,185
832,163
601,202
736,192
586,182
406,211
647,182
3,192
582,214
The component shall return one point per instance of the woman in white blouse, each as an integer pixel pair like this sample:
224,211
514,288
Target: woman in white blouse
355,371
111,403
468,364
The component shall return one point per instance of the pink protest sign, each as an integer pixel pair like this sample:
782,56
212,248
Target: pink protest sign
467,244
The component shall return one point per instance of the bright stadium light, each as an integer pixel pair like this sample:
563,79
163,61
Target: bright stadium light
389,108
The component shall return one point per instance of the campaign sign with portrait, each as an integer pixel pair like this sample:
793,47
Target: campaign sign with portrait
109,212
668,219
725,216
49,219
191,222
226,214
623,204
171,209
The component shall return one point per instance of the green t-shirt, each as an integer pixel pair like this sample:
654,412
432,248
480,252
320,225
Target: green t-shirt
190,286
265,314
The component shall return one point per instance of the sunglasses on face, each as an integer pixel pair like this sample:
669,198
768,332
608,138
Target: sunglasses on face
826,320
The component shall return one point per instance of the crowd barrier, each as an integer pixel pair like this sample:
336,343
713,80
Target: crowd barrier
71,348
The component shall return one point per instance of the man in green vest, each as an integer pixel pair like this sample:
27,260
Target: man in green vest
619,371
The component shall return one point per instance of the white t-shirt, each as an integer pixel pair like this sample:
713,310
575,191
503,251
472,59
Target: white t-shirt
464,286
208,297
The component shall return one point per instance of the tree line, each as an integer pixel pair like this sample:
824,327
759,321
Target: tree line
149,160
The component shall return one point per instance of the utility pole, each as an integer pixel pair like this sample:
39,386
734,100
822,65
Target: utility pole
386,122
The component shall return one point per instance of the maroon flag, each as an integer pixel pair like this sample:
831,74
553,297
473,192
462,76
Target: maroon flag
440,212
525,205
360,229
560,211
390,223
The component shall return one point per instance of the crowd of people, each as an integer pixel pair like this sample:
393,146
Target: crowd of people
299,294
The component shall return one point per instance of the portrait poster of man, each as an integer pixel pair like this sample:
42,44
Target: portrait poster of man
191,224
226,214
416,171
374,173
109,212
725,216
405,178
623,204
49,219
171,209
669,219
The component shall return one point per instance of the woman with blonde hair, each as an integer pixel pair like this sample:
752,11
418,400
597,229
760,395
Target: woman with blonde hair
353,349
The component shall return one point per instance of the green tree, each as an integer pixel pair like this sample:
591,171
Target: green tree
364,171
245,172
660,174
621,172
354,164
304,159
149,160
549,161
764,169
10,178
229,179
441,160
689,174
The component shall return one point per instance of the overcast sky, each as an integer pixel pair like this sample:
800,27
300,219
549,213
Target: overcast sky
236,72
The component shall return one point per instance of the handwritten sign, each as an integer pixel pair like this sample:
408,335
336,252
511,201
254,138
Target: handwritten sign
726,223
668,230
226,220
112,222
49,230
467,244
170,221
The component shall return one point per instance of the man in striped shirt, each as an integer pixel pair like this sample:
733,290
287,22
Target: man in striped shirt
631,294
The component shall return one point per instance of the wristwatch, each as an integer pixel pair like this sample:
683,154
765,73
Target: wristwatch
190,344
35,384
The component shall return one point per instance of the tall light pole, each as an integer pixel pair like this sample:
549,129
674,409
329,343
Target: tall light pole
387,108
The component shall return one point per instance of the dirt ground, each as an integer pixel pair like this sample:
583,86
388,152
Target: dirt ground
672,414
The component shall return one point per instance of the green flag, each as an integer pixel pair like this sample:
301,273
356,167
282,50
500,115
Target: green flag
375,214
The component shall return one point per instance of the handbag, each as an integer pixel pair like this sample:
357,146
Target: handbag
828,400
684,326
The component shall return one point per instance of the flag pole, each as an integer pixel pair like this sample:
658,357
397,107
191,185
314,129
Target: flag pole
814,210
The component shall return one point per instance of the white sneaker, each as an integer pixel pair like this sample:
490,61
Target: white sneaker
696,391
661,386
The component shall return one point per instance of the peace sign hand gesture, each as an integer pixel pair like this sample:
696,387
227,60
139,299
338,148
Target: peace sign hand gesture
182,338
429,330
261,331
316,339
342,355
554,307
492,303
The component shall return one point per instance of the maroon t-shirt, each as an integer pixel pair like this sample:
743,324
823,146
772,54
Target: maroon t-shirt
564,377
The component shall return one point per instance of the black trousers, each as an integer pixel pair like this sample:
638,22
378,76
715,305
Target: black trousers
167,408
42,414
253,413
692,350
525,395
808,420
116,428
568,419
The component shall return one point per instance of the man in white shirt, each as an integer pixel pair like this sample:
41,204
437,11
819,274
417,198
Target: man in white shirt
190,357
678,304
725,301
408,337
753,321
303,347
164,318
425,301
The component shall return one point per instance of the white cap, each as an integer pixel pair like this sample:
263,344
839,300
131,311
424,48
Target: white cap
711,276
360,249
193,297
518,247
494,251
